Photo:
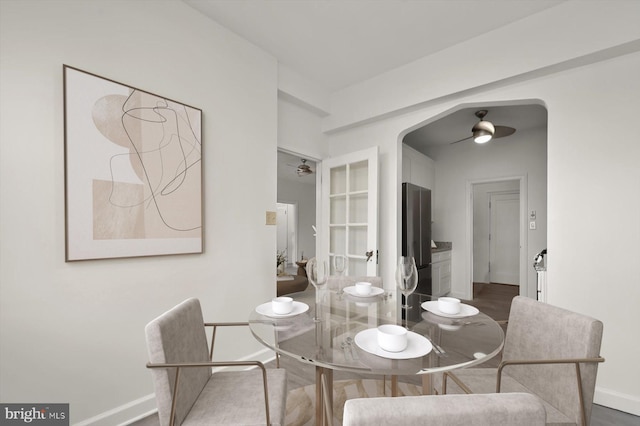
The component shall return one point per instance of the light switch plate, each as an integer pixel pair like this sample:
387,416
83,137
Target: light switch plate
532,225
271,218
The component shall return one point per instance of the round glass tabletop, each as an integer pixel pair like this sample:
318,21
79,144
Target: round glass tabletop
339,339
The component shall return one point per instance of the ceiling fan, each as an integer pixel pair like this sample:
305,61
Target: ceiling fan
303,169
483,131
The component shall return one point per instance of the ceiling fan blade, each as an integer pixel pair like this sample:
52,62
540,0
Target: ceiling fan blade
461,140
502,131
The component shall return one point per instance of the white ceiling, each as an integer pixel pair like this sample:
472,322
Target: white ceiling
339,43
457,125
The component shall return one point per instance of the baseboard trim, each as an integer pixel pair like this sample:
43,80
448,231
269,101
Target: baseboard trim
617,401
123,414
133,411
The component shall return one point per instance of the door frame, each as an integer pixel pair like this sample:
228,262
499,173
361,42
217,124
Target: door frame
524,281
318,173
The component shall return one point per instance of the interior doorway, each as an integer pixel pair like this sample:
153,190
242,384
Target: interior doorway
498,225
496,236
446,139
298,191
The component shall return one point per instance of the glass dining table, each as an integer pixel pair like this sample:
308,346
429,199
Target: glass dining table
337,331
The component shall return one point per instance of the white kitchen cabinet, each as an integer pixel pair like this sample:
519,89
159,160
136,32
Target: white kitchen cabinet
441,273
417,168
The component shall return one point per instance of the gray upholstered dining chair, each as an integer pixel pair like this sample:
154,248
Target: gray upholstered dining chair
189,393
548,351
507,409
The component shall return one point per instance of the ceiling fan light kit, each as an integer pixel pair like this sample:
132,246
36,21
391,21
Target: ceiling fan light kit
481,136
304,169
483,131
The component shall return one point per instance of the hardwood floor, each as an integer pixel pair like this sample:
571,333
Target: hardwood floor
494,299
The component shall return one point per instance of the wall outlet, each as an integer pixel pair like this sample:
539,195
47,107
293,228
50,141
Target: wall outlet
532,225
271,218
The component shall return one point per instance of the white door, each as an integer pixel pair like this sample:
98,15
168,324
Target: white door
287,231
504,252
282,224
349,198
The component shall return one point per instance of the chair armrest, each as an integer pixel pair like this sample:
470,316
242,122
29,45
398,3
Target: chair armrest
206,364
576,361
210,364
215,326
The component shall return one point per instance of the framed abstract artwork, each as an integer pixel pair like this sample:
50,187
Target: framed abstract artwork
133,171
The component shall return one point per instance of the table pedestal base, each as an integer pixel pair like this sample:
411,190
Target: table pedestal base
324,393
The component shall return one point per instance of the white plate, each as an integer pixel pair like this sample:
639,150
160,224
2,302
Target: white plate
465,310
417,345
375,291
298,308
449,324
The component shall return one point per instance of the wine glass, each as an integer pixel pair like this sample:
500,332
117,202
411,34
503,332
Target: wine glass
406,278
318,274
339,265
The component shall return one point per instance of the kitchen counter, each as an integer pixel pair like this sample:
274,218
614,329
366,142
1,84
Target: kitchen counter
441,246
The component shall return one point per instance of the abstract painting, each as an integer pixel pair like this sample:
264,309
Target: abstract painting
133,171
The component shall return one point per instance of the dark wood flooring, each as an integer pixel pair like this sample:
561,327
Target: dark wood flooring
494,299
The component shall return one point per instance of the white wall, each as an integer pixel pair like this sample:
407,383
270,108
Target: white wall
74,332
593,199
594,205
299,130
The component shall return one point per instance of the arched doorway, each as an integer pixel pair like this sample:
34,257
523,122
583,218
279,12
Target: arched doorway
456,166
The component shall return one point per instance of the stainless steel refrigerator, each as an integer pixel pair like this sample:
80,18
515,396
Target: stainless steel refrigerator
416,237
